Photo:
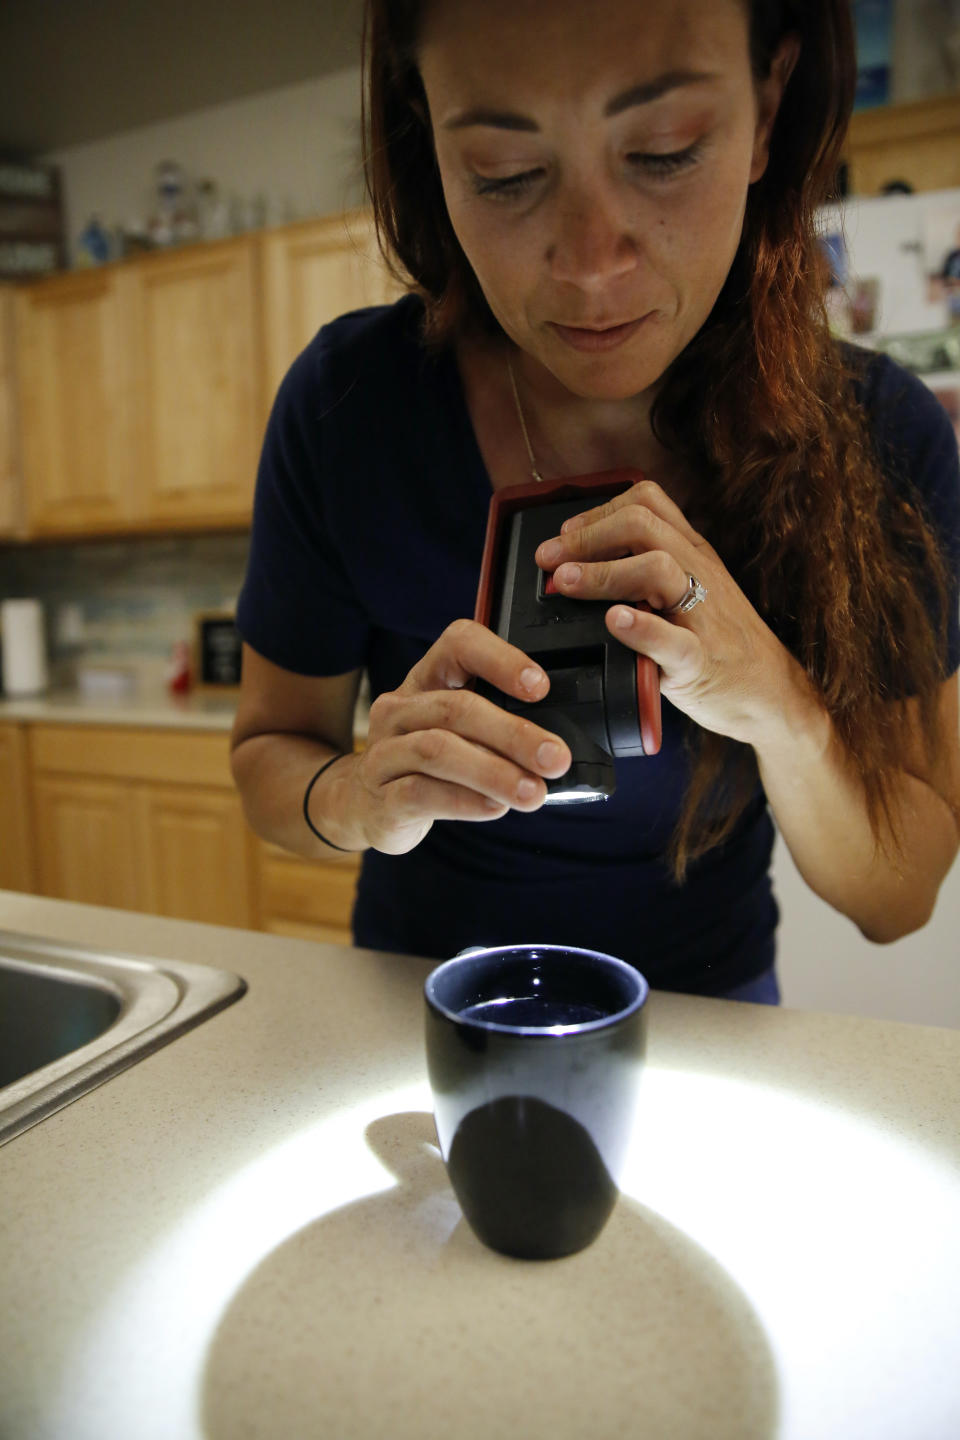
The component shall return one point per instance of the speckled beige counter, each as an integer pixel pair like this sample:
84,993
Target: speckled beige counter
149,706
249,1234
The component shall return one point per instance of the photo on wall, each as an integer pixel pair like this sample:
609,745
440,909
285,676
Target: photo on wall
874,24
941,248
853,303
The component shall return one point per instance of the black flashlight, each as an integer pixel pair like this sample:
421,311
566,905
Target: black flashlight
604,700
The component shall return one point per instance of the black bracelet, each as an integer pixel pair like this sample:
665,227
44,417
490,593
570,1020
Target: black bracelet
306,802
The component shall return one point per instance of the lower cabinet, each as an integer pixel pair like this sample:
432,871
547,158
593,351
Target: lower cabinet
307,899
17,867
195,850
86,841
149,820
141,819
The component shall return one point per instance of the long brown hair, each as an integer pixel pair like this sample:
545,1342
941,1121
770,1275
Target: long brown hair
798,506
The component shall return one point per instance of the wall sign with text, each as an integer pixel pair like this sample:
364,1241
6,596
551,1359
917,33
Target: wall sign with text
218,649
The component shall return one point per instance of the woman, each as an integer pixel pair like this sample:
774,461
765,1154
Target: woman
607,213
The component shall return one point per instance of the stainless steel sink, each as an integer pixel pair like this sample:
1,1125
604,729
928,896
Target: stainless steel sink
71,1018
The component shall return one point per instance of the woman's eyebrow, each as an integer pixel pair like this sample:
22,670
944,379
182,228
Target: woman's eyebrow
637,95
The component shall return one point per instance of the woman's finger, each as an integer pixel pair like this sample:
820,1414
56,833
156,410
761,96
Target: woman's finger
654,578
463,712
649,495
466,651
405,810
445,756
677,650
414,799
632,530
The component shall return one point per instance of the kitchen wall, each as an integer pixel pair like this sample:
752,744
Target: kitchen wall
296,148
825,963
924,63
124,600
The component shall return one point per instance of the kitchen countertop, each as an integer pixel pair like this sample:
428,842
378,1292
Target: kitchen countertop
250,1233
150,706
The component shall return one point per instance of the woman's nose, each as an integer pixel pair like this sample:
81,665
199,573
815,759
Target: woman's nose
592,243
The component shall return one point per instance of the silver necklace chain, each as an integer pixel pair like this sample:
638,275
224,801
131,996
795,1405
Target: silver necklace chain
523,424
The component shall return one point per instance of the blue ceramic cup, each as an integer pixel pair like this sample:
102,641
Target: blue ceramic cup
534,1054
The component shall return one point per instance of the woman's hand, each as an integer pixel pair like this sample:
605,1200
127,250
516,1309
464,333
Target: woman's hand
720,663
438,751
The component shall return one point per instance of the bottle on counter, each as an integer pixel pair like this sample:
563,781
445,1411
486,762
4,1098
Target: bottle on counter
24,664
179,676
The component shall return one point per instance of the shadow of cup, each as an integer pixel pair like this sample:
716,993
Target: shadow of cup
390,1307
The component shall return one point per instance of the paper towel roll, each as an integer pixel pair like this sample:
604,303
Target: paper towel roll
24,647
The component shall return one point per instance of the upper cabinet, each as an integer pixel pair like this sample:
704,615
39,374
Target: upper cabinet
314,271
144,387
198,394
11,490
915,142
74,358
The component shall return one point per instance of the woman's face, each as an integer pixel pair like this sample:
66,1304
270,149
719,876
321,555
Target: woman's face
595,159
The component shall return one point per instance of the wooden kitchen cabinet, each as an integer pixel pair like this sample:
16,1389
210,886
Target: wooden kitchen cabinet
314,271
149,819
307,899
918,142
17,864
86,840
144,386
75,402
194,851
144,820
198,355
11,491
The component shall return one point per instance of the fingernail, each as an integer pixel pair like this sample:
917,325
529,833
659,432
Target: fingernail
549,755
573,523
567,574
549,552
623,618
527,789
531,677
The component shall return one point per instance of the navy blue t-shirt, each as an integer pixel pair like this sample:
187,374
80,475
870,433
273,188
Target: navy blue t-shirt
369,521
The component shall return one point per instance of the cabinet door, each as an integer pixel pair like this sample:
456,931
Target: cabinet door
915,142
195,852
313,272
86,840
75,403
17,871
307,898
199,386
11,515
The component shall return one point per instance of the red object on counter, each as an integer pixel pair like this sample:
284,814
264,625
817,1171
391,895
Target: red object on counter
180,678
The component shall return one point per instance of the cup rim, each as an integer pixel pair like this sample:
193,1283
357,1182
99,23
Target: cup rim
585,1027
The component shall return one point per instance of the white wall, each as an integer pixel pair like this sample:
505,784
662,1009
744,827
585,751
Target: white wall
921,64
298,146
825,963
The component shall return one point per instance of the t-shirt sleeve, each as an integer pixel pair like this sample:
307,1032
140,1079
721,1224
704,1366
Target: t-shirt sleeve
297,607
918,447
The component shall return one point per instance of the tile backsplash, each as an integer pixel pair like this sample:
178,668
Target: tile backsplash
124,600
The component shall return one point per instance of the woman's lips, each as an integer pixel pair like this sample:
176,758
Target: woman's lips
595,340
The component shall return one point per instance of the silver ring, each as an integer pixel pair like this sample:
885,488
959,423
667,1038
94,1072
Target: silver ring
694,595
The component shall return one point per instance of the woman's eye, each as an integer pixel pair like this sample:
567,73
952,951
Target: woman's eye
664,166
507,186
